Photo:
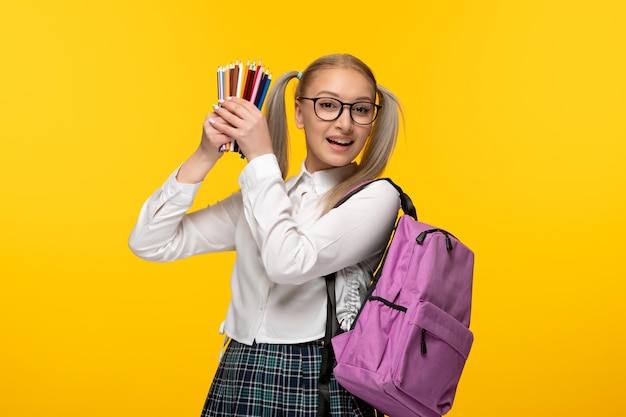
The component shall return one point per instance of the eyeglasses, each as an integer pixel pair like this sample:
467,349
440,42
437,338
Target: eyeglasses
329,109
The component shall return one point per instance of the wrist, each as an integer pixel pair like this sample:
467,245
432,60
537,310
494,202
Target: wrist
256,155
194,169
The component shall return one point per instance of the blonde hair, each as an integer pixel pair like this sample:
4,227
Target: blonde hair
379,145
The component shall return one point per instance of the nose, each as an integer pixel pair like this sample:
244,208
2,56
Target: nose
344,121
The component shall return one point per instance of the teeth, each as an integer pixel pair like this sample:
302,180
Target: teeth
341,142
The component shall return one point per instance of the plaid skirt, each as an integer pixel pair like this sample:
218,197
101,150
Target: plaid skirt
271,380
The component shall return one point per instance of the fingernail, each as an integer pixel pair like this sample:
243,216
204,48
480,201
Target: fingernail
220,101
212,121
229,98
215,107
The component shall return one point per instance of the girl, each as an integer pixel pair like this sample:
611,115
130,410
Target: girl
286,233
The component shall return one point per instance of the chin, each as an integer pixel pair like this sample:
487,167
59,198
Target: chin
339,162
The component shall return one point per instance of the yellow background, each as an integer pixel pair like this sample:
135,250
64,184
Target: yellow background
514,141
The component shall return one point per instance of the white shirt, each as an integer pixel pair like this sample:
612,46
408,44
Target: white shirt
284,248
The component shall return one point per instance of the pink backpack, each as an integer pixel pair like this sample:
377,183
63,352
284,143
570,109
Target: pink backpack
406,351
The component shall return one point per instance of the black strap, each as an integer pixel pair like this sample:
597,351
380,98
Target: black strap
328,357
405,201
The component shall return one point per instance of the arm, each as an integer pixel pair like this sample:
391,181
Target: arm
165,232
347,235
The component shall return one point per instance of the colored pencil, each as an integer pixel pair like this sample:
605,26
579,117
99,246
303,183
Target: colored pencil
266,86
257,97
257,80
220,83
239,78
229,81
235,79
249,79
245,80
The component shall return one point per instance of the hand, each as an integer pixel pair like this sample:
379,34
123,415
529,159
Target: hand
198,165
239,119
212,139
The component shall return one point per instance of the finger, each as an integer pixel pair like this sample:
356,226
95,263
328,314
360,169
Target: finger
211,121
214,131
228,117
223,128
240,107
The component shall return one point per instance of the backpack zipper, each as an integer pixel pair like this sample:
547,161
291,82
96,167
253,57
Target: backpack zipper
422,236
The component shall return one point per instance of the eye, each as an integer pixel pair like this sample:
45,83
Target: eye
327,104
362,108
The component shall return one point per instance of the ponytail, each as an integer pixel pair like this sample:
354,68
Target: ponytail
276,115
377,150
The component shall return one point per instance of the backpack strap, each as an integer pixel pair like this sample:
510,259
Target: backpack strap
328,357
405,201
332,326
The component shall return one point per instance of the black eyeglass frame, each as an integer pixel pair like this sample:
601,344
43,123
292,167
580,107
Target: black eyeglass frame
315,99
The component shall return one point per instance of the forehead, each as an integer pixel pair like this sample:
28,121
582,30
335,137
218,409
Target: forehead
344,83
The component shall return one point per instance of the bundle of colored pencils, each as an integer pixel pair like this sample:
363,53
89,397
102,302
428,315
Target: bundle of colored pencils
250,82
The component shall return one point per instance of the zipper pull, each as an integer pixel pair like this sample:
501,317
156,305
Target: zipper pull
423,344
422,236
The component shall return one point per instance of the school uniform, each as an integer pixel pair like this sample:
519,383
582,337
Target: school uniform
277,314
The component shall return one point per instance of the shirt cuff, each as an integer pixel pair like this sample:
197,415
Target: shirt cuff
259,169
177,192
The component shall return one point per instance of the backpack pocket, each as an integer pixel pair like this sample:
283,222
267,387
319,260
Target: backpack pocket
429,363
368,345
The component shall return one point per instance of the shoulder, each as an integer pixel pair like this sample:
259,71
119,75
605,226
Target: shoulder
382,185
376,195
381,188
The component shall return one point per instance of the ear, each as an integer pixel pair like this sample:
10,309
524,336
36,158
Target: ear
298,116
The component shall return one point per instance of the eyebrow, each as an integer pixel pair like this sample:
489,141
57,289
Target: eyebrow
330,93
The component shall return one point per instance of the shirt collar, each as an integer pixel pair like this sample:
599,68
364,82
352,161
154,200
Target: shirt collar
323,180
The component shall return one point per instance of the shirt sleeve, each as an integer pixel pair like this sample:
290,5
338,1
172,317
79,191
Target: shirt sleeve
165,231
346,235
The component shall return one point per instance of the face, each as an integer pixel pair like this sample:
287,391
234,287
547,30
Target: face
334,143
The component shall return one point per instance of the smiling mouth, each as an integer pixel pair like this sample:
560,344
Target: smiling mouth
340,142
